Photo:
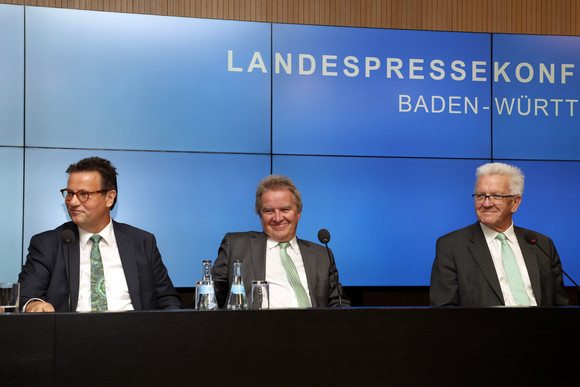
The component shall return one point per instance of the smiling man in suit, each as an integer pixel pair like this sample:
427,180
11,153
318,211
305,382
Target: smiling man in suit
113,266
299,272
490,263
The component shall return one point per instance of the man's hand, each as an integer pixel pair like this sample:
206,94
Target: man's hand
39,306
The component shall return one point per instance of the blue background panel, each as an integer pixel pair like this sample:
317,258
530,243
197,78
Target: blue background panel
119,81
191,138
341,115
189,201
550,206
532,132
384,215
11,209
11,75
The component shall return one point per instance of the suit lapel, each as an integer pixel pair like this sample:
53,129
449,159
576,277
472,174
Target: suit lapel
74,251
258,248
127,253
531,260
309,260
481,254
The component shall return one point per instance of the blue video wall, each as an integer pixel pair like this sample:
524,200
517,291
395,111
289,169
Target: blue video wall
381,130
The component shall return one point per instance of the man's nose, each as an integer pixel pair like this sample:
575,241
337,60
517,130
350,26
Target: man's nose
278,216
74,201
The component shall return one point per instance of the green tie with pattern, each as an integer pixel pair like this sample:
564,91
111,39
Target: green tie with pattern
512,272
98,292
293,277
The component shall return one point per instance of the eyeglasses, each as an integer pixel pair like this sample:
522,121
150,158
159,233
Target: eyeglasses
492,198
83,196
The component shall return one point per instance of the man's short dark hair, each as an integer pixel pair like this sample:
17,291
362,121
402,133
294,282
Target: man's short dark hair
107,171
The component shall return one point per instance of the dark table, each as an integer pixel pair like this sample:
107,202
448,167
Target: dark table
351,346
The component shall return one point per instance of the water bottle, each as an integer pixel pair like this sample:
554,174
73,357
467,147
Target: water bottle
237,298
204,291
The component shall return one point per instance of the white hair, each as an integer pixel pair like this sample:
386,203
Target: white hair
514,173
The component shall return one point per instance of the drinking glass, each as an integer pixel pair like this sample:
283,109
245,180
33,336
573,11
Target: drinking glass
9,297
260,295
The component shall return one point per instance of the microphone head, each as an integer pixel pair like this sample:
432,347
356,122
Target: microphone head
530,237
324,236
67,237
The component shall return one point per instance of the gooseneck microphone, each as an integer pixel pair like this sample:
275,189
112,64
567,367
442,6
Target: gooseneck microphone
530,237
324,238
67,237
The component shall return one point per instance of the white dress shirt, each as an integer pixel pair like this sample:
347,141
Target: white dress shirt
495,250
115,282
281,293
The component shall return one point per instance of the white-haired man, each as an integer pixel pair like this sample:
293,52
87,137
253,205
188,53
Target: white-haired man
490,263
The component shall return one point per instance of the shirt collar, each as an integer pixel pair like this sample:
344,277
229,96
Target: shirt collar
107,234
490,234
270,244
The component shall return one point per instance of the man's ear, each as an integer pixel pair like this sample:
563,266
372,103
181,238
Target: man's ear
110,198
516,204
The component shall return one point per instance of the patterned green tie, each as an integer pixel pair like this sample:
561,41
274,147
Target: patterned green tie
293,277
98,292
513,273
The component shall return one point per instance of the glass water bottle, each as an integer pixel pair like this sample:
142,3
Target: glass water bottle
237,298
204,291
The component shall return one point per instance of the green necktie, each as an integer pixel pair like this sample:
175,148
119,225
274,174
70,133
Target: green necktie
513,273
98,292
293,277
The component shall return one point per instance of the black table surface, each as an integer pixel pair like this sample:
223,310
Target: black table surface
350,346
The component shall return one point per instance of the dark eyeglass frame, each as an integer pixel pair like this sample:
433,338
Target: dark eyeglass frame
67,194
492,198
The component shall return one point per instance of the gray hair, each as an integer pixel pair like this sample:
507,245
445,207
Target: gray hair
514,173
277,182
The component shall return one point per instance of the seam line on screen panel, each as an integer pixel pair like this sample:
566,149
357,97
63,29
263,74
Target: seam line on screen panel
151,151
23,137
550,160
271,99
491,100
384,157
288,154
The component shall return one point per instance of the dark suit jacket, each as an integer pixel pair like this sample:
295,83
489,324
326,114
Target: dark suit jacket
464,275
250,248
45,273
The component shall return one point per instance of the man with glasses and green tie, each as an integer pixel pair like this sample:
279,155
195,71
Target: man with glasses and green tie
94,263
493,262
298,272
